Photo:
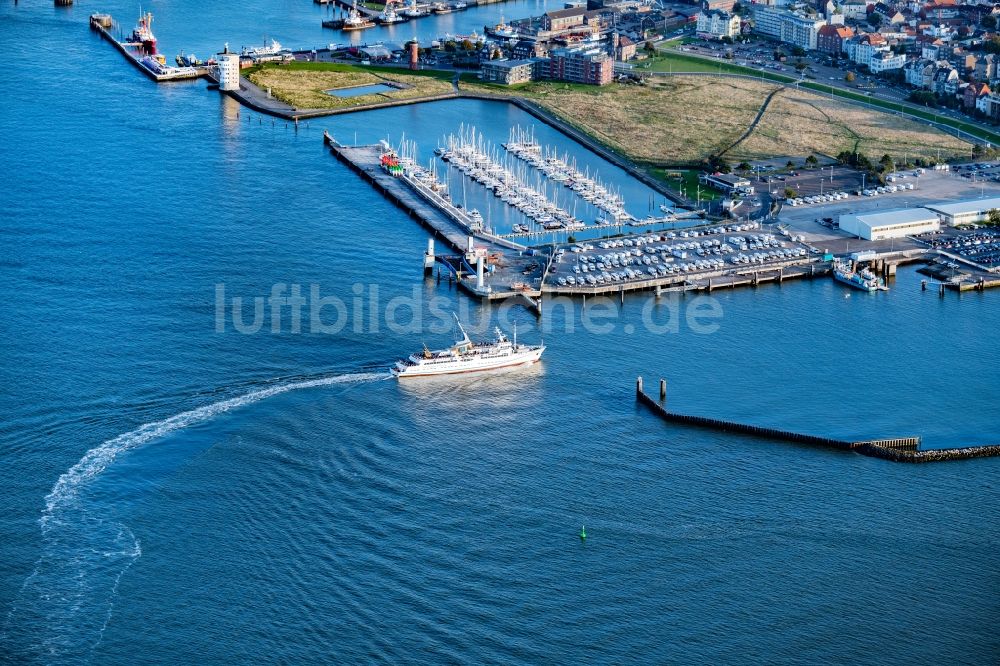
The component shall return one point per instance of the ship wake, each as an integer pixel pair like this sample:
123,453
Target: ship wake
65,604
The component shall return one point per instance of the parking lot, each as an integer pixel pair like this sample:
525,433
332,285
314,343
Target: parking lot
675,253
981,246
815,182
932,187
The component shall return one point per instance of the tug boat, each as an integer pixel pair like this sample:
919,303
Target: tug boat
467,356
389,16
355,21
412,11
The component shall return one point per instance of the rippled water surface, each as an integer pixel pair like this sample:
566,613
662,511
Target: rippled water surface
176,494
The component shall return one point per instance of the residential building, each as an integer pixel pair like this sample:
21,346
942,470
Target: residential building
888,13
919,73
972,93
625,48
592,66
945,79
856,11
991,105
861,48
983,102
986,68
883,61
830,38
716,24
767,20
800,30
508,72
724,5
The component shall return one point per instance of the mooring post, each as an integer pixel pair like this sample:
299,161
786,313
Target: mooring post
663,390
638,386
941,290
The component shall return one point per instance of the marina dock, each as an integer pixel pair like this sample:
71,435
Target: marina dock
896,449
515,270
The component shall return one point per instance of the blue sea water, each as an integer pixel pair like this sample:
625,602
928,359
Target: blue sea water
175,494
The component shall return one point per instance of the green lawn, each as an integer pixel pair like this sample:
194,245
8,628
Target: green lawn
688,180
342,67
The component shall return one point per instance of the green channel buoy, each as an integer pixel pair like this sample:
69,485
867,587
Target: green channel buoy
583,532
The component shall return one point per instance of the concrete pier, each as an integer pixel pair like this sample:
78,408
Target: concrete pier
104,24
896,449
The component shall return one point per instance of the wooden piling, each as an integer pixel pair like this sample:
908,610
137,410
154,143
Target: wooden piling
663,390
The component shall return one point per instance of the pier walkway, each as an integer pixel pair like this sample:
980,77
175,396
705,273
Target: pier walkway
898,449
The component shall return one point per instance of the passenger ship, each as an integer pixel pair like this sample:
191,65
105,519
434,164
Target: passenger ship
467,356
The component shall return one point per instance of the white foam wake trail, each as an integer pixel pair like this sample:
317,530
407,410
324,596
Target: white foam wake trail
97,459
80,549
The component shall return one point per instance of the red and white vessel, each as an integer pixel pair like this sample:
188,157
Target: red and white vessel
142,36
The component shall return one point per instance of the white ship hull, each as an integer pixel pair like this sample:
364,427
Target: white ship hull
418,367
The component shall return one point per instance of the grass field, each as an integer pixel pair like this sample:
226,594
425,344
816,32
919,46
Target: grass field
798,123
682,120
675,120
302,84
669,60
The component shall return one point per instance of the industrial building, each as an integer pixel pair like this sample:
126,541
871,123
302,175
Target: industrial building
966,212
891,223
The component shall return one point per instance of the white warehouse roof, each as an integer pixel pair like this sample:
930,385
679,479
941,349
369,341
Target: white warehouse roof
890,224
966,207
897,216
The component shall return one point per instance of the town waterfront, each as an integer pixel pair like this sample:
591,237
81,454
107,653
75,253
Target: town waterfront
276,494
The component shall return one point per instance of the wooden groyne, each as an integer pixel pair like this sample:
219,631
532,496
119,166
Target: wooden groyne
896,449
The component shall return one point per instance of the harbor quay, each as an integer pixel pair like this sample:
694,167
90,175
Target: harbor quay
139,48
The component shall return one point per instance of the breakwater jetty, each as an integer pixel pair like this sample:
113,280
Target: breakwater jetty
896,449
